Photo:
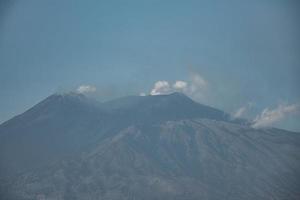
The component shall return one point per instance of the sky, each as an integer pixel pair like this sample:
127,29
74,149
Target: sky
239,56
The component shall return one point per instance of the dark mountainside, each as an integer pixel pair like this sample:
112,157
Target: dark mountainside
153,147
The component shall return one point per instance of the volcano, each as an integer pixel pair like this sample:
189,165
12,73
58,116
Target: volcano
143,147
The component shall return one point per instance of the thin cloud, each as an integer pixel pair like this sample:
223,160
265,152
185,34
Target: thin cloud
269,117
198,87
242,111
197,83
84,89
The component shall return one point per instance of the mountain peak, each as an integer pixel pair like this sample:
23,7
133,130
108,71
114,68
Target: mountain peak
68,95
178,94
173,94
172,97
174,106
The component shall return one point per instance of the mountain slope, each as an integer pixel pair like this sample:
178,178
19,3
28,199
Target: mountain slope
53,128
154,147
186,159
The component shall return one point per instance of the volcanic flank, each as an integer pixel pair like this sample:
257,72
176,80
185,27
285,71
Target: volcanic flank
143,147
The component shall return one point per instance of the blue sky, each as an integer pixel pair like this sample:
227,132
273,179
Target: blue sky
247,52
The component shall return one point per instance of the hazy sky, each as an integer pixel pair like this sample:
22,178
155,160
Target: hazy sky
246,52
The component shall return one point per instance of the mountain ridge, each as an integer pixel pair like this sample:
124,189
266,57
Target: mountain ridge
56,101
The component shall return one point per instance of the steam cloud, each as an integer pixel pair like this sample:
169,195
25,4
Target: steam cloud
195,87
84,89
269,117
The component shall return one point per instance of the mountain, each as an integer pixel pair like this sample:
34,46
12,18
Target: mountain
158,108
150,147
46,132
